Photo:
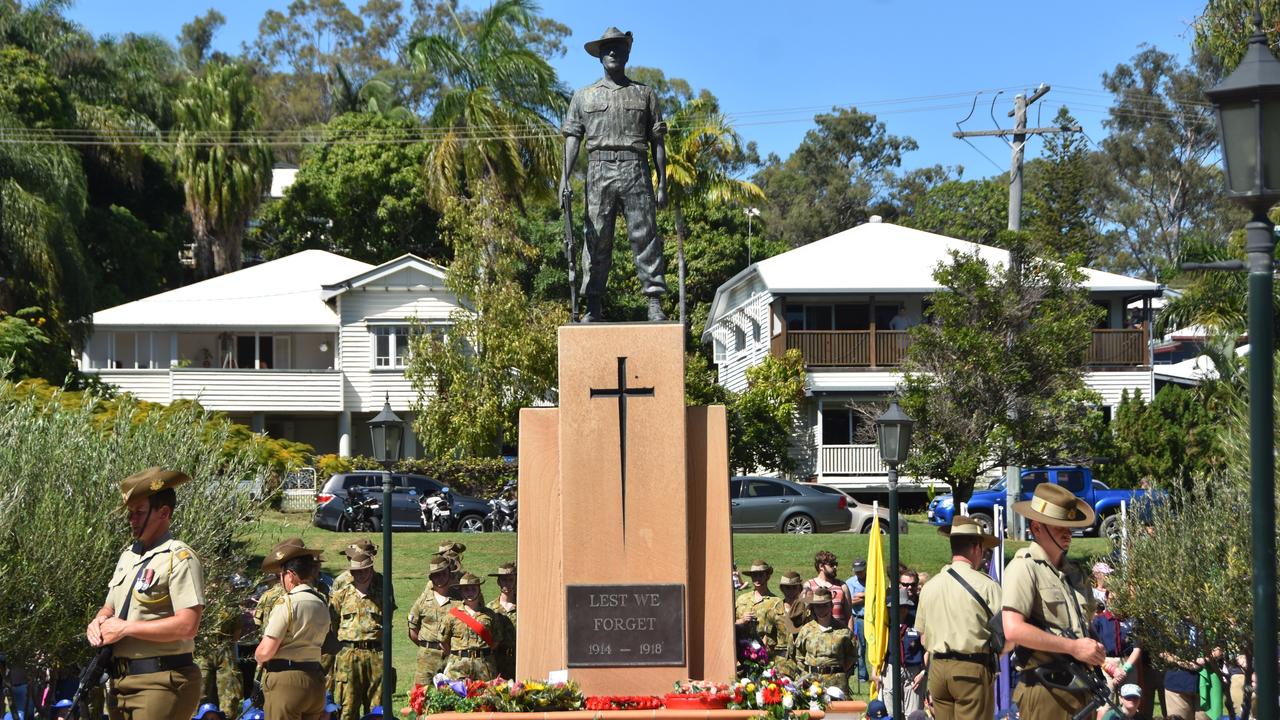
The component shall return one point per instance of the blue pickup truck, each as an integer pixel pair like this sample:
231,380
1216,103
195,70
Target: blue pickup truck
1104,501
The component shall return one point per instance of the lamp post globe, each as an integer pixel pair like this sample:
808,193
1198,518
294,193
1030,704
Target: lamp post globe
893,433
387,433
1247,103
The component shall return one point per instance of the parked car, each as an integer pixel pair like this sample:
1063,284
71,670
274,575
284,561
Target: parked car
863,512
764,504
1079,480
405,512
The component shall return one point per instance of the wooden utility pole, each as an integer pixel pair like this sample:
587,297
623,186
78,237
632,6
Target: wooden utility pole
1019,131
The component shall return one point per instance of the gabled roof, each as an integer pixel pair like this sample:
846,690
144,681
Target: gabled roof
283,293
880,257
384,270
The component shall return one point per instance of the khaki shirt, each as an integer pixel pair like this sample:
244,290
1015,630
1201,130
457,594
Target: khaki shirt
949,619
173,580
768,627
359,615
300,622
615,117
427,616
1047,597
817,646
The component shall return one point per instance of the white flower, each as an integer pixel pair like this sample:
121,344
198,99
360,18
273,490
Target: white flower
835,693
760,698
814,706
787,701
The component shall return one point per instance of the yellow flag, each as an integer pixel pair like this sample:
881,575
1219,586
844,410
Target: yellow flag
875,625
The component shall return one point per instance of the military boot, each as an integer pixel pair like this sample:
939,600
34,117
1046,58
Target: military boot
655,310
593,313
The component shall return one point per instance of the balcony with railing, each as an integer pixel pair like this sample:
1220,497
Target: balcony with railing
1125,347
851,460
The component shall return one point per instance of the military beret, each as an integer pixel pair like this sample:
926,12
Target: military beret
149,482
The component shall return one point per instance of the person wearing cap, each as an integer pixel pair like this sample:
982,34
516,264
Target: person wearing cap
823,649
426,619
856,584
1101,571
1044,597
912,653
795,614
357,669
472,634
955,628
758,612
621,121
331,709
363,546
504,606
289,653
209,711
1130,699
877,710
153,607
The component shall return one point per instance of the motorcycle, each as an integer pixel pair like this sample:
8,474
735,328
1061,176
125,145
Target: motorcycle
436,511
502,511
363,512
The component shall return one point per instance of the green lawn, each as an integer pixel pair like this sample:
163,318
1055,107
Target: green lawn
921,548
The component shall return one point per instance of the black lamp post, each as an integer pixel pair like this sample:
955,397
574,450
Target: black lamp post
387,431
893,432
1247,103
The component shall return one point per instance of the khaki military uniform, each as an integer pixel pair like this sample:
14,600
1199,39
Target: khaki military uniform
769,627
1052,600
824,654
470,656
506,655
357,669
218,665
954,630
792,621
426,618
301,622
172,580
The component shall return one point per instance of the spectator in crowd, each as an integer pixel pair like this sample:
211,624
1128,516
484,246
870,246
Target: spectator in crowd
827,566
1116,638
1182,680
1101,571
856,585
1130,698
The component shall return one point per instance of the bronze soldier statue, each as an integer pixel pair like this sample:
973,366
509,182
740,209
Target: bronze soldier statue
621,121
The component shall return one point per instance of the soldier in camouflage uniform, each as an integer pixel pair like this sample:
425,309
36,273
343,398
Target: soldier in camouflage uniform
473,634
620,121
357,669
362,546
219,666
505,607
758,612
426,618
795,613
823,650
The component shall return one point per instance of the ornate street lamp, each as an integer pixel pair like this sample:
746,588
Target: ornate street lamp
1247,103
387,431
893,434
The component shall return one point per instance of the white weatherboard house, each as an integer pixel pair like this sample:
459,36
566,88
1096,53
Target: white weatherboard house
305,347
846,302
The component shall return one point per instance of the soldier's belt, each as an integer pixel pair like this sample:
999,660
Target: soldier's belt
362,644
824,669
160,663
613,155
473,653
282,665
980,658
433,644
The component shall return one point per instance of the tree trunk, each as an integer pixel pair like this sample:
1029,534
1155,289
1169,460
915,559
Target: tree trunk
205,266
228,253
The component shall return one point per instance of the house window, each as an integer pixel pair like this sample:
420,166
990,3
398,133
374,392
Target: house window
755,330
739,339
719,350
255,351
838,425
391,346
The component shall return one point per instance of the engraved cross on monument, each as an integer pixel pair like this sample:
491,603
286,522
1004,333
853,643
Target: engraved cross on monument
621,392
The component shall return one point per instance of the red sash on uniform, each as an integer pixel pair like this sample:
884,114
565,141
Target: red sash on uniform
474,624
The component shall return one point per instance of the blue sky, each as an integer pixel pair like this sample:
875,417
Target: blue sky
916,65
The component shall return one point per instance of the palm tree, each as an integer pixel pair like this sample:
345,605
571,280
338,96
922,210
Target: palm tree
225,170
700,143
494,114
375,95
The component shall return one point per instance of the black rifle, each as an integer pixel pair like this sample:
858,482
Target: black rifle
566,203
1067,673
90,677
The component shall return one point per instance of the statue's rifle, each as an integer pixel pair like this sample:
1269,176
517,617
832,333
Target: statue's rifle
566,204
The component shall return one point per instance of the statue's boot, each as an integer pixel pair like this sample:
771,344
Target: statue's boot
655,310
593,313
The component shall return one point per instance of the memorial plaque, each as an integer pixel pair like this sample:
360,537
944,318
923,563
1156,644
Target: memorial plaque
625,625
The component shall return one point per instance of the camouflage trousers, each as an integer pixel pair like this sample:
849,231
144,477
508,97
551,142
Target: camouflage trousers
222,682
357,681
471,668
430,662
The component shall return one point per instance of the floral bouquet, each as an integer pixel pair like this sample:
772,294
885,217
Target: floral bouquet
446,695
777,695
623,702
699,695
753,657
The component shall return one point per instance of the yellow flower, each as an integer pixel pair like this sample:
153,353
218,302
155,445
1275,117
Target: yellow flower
751,687
534,686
